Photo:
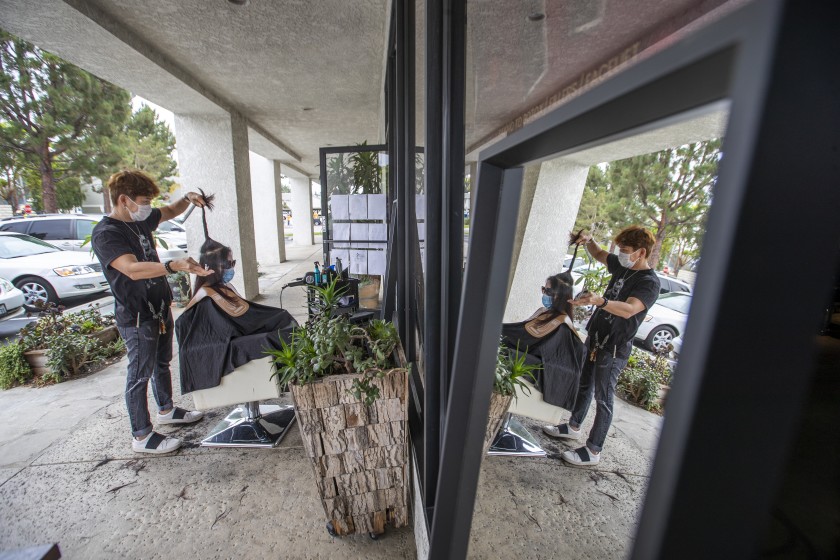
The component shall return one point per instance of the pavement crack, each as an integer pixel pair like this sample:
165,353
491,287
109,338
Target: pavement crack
116,489
610,496
220,516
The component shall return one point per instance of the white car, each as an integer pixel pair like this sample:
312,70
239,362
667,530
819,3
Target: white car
71,231
12,311
43,272
665,320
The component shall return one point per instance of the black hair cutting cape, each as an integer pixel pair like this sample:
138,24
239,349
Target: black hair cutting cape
561,353
213,344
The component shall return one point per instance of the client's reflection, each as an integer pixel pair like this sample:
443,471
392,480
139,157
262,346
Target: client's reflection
219,330
549,337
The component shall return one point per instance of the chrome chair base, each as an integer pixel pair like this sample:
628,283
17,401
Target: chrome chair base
514,439
252,425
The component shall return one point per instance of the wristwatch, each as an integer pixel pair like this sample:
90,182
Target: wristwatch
168,267
603,305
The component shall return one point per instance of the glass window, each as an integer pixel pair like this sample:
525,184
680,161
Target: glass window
12,246
51,229
17,227
84,228
664,286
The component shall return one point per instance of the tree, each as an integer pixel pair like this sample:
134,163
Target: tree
149,147
55,113
668,191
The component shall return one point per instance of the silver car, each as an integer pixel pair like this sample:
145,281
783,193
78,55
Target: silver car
45,273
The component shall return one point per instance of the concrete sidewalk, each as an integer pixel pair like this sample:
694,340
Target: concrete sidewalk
67,475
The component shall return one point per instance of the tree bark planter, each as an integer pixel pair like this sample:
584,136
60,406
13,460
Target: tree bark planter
499,405
37,360
359,453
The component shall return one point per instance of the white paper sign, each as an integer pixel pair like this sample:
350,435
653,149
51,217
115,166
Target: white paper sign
339,207
358,261
377,232
359,232
341,232
376,207
358,207
376,262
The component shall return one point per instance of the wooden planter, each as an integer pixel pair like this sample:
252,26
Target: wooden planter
359,453
499,405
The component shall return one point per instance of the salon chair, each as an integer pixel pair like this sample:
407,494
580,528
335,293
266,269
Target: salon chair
515,439
250,424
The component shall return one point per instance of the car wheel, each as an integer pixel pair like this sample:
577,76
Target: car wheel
36,289
659,339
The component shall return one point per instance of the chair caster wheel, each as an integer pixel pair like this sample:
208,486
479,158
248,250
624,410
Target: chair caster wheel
373,536
331,529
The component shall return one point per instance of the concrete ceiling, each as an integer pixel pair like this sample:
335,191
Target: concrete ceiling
307,74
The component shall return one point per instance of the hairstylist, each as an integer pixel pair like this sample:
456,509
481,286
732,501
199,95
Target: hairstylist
124,244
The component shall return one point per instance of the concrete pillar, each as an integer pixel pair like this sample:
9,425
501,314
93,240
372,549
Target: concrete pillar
472,169
551,198
268,210
213,155
302,230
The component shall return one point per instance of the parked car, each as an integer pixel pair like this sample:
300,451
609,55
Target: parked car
665,320
69,232
44,272
668,284
11,308
175,237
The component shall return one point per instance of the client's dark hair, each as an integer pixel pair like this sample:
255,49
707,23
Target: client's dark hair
561,293
214,256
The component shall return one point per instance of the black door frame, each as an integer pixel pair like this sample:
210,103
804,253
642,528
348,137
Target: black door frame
723,445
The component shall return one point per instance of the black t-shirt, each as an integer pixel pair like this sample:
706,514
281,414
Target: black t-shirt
625,283
135,300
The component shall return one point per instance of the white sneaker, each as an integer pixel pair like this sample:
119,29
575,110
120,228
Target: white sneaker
179,416
563,431
155,443
581,457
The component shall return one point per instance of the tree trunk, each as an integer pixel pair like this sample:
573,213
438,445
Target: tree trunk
106,196
48,181
653,260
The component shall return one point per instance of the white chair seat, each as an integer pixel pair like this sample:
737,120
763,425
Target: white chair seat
533,406
247,383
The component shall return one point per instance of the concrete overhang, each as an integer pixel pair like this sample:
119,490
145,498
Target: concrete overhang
310,74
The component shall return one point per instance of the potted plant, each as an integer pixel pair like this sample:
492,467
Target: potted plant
57,346
351,400
511,369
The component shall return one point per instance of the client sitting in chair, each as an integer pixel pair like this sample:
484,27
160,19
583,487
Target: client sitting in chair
549,337
219,330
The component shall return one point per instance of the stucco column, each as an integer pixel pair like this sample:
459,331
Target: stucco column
213,155
268,210
550,205
302,230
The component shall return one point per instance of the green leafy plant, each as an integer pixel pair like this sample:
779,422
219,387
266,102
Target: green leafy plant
642,377
68,340
13,367
511,369
367,177
329,344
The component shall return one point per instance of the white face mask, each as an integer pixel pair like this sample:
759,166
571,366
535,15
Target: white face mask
625,261
143,211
